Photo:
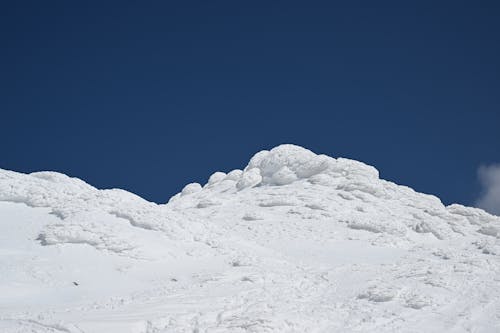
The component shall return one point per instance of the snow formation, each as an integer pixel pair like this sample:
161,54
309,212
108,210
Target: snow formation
294,242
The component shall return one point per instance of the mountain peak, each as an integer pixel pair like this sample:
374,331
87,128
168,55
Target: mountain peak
287,163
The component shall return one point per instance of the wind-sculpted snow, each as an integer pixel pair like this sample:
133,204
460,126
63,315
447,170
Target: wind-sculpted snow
288,163
293,242
105,219
348,191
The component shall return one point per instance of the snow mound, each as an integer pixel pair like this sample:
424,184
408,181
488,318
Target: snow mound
287,163
347,191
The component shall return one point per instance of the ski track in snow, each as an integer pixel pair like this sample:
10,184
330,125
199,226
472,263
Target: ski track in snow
295,242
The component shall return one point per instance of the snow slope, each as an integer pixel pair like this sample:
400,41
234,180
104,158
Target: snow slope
295,242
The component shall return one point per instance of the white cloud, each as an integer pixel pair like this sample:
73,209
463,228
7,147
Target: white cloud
489,176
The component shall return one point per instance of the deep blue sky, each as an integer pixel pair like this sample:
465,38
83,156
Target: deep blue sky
149,96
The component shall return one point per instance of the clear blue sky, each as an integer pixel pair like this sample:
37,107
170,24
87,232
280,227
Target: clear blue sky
149,96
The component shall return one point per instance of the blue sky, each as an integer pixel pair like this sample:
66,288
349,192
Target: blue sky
149,96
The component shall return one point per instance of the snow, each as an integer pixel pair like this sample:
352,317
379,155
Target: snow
191,188
249,178
288,163
294,242
216,177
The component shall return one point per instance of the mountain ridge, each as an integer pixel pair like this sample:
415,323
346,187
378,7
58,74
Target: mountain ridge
351,250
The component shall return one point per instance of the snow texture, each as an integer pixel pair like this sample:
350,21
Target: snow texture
294,242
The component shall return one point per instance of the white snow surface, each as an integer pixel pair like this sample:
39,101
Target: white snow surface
294,242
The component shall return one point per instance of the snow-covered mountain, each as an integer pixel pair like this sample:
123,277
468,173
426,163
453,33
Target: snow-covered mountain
295,242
